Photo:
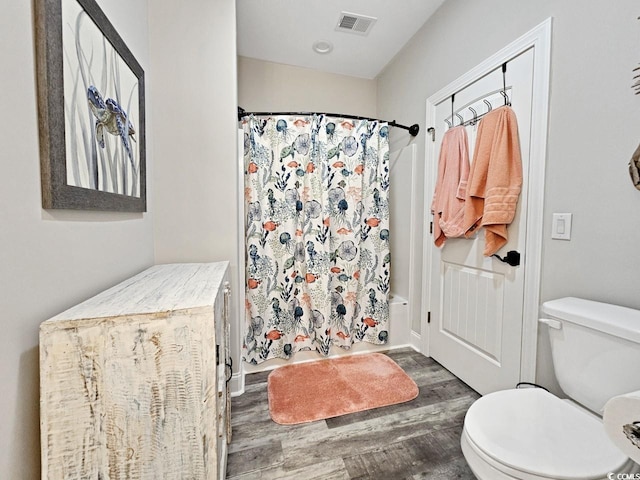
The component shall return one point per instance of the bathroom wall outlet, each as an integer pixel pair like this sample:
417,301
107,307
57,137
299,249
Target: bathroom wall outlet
561,228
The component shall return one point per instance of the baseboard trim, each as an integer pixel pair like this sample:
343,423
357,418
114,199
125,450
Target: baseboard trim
416,341
236,384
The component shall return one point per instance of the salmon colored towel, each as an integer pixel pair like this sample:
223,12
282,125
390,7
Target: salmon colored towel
495,179
451,186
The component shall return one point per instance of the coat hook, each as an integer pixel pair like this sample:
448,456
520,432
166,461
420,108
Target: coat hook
461,118
489,106
475,116
506,98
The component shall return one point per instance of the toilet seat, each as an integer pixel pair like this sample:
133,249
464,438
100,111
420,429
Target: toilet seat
532,434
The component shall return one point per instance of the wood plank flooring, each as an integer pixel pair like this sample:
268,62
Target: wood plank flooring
415,440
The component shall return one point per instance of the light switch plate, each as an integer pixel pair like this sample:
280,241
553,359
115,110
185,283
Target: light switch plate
561,228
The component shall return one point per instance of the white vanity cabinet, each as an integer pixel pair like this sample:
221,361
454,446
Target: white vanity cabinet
133,382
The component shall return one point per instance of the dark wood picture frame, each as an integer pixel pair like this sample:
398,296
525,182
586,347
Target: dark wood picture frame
109,172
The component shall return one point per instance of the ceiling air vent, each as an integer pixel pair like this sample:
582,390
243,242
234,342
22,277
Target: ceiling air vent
355,23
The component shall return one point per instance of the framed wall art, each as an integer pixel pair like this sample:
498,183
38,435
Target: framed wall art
91,102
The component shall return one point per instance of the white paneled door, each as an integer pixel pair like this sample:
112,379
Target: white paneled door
476,303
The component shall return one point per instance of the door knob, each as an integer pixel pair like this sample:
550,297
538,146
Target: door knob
512,258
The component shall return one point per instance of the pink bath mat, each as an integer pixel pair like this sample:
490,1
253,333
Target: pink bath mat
311,391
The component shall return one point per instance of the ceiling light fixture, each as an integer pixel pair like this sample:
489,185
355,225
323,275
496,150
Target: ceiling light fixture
322,46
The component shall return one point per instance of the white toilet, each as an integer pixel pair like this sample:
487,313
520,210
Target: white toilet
529,433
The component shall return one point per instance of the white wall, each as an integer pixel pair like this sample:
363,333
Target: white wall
592,128
193,102
193,99
49,260
266,86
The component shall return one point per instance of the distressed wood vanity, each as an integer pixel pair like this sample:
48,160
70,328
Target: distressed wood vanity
134,381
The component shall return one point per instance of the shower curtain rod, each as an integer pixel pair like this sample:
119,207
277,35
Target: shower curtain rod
413,129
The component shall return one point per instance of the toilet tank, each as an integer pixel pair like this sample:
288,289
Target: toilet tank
595,348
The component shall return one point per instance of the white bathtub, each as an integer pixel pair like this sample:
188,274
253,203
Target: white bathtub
400,324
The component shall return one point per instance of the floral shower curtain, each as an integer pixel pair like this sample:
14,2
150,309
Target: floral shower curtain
317,234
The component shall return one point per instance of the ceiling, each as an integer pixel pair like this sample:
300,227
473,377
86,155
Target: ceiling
284,31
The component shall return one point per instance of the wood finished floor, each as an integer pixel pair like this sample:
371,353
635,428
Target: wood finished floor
415,440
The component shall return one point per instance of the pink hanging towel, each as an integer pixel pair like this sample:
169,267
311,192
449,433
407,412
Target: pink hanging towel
495,179
448,201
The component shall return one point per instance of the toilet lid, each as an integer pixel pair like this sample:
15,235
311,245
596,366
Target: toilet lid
535,432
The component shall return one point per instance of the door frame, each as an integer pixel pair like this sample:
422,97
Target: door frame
539,38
